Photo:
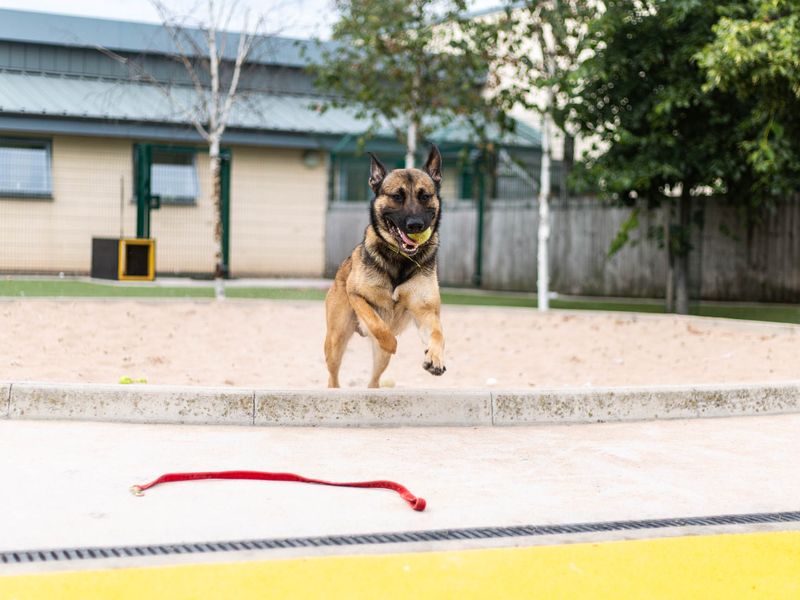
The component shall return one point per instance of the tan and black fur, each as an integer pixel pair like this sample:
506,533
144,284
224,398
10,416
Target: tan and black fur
380,287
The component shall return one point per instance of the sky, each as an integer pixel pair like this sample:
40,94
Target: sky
293,18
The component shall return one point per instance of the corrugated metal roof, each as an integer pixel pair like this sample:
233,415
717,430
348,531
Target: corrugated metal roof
49,95
524,135
71,97
129,36
108,100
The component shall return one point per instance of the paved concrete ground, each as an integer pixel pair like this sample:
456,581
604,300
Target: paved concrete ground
66,484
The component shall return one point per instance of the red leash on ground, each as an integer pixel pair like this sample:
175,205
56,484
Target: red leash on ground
415,502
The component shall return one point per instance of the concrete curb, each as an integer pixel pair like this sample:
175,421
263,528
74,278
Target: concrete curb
131,403
389,408
644,403
373,408
5,400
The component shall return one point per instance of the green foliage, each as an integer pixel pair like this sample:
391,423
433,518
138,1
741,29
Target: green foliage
641,94
624,234
423,62
689,95
551,45
755,54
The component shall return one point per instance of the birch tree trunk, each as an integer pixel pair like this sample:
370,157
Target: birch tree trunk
411,144
413,121
543,267
216,186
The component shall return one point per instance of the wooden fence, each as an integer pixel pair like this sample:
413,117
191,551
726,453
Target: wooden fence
728,261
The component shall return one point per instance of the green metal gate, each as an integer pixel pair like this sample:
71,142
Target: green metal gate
149,200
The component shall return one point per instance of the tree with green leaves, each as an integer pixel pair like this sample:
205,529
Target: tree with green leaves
665,138
411,67
755,54
550,45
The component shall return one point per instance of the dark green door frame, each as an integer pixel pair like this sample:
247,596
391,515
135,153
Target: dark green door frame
142,161
225,208
146,202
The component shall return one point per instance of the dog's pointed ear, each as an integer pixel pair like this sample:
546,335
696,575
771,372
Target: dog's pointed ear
433,166
377,173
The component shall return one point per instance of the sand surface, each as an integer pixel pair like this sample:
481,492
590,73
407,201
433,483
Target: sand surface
279,345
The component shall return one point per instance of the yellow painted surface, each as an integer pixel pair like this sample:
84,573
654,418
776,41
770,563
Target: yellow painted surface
123,264
763,565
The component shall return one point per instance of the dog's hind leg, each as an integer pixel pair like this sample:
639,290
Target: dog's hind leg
335,345
380,360
341,322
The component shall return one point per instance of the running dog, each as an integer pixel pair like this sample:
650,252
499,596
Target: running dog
390,277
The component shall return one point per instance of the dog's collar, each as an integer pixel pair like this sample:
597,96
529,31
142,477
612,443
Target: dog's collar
396,249
401,253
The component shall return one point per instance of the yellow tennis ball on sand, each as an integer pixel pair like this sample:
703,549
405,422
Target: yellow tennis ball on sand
422,236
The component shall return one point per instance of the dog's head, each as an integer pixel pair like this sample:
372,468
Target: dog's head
406,201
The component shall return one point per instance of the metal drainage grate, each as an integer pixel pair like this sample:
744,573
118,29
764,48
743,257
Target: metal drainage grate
436,535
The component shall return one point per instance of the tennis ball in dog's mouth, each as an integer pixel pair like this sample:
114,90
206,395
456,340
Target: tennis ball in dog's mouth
422,236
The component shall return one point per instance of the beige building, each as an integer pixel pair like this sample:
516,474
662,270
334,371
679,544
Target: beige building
74,123
279,216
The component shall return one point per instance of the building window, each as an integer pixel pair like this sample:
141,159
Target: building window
353,179
25,168
352,176
174,177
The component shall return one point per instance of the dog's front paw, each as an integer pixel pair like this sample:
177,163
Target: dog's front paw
433,364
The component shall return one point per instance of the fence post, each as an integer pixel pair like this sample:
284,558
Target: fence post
225,207
142,162
477,276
